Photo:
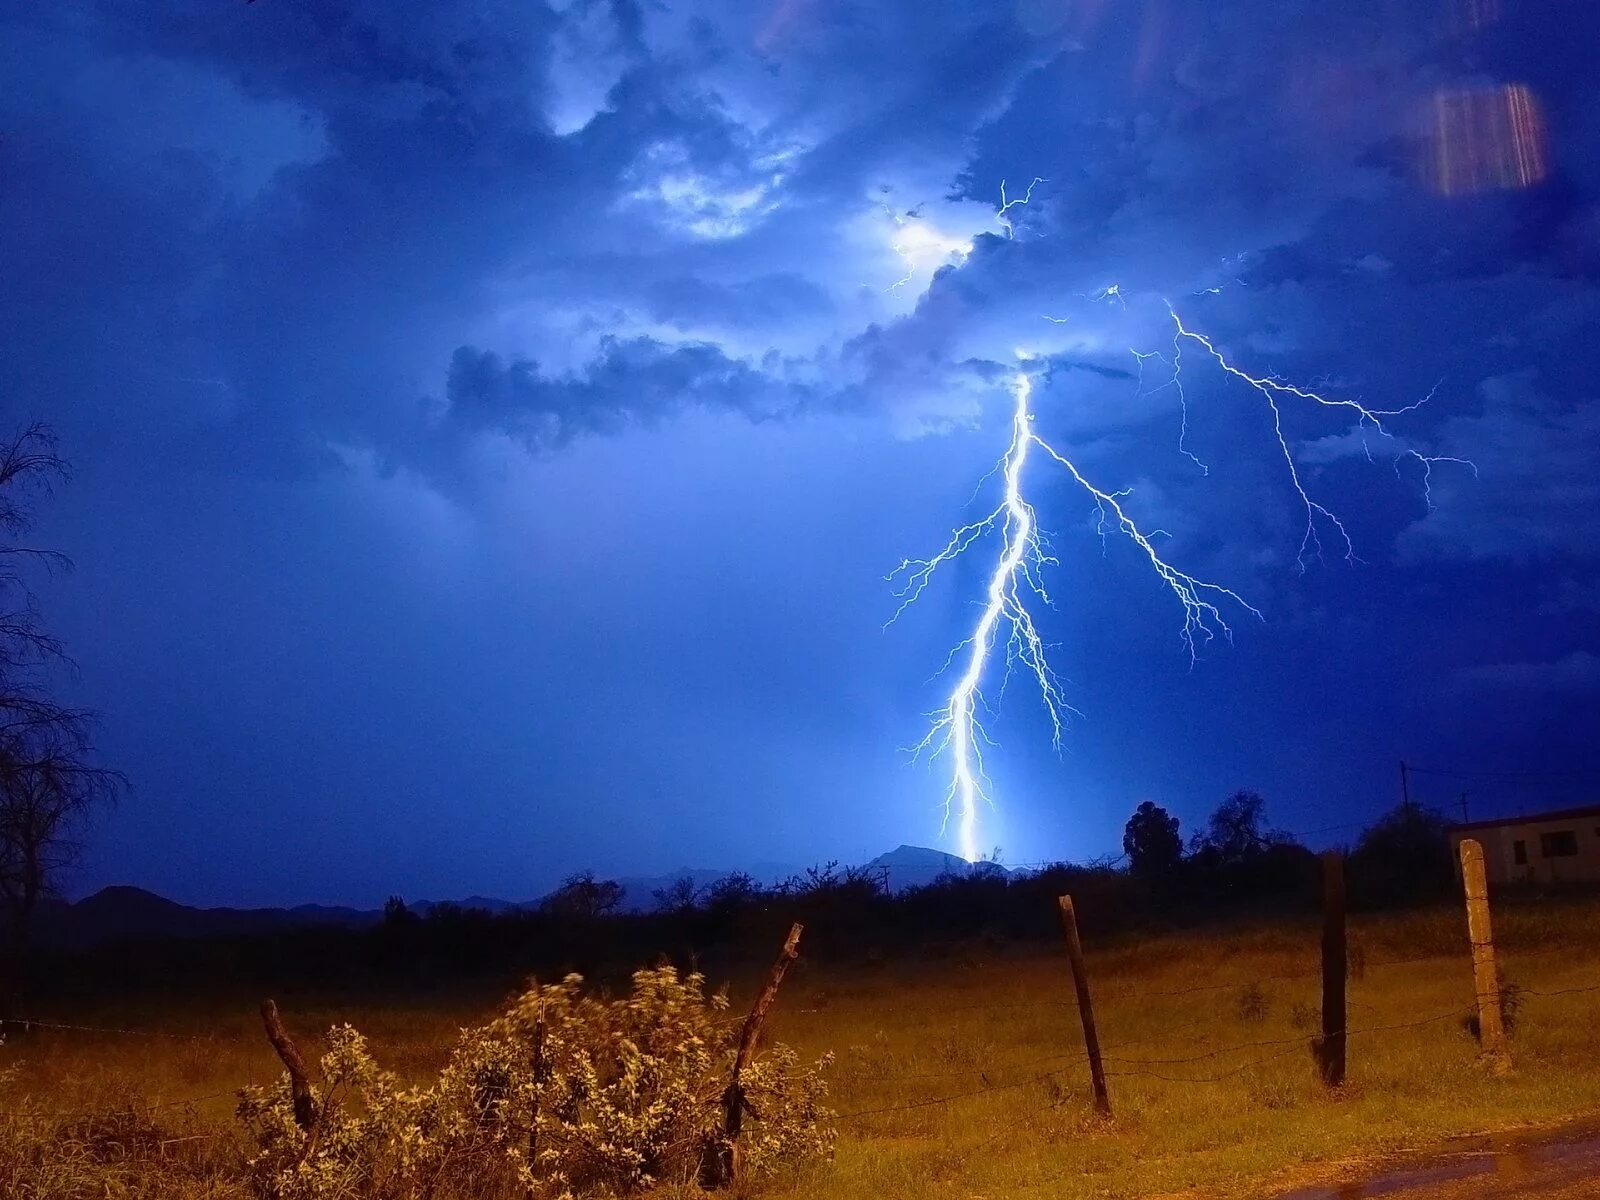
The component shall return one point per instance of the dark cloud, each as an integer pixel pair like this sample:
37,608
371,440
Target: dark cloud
327,295
1568,595
637,381
1536,494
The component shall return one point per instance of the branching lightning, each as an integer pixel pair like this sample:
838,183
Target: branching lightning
916,243
956,729
1006,206
1272,390
957,733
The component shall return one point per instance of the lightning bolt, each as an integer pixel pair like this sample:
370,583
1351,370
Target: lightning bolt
956,732
916,243
1006,206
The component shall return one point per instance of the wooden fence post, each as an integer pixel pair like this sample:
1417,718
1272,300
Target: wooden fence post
720,1168
305,1107
1485,978
1080,982
1335,966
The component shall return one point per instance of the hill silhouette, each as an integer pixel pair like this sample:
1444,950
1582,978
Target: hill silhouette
123,912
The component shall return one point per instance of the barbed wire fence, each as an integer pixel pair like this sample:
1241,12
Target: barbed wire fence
1142,1068
1112,1062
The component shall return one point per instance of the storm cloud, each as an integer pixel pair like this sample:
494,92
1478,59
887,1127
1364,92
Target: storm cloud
536,393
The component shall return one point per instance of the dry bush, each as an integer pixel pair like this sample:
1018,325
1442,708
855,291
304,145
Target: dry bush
563,1095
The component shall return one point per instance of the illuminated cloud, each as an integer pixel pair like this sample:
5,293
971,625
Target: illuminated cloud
616,261
589,53
667,185
924,248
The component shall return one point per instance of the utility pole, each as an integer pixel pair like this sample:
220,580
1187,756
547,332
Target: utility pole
1464,818
1405,785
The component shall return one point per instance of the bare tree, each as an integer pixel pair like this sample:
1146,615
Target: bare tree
48,783
678,897
583,897
48,789
29,466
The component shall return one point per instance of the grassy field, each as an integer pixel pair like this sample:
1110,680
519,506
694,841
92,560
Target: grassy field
961,1074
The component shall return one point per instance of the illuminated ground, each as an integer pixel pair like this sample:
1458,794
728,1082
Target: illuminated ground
959,1070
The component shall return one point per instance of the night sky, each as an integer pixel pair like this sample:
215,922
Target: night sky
493,422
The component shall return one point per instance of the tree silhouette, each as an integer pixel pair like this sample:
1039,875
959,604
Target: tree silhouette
48,785
1151,841
397,914
680,896
1234,834
1403,857
584,897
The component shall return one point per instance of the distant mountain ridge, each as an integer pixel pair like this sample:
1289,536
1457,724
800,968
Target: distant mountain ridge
122,912
907,867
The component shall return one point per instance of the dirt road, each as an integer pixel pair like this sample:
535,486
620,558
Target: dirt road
1558,1171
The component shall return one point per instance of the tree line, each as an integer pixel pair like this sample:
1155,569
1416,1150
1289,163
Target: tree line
1401,858
1235,869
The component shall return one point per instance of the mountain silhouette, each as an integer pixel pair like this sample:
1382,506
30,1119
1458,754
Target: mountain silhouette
917,866
124,913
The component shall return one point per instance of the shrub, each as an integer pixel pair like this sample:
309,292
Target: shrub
562,1095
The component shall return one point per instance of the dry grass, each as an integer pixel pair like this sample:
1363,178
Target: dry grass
977,1059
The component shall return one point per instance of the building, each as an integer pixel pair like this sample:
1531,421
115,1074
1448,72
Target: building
1549,847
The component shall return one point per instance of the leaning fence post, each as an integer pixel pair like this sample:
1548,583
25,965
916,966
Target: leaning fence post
1486,980
305,1106
1335,964
721,1167
1080,982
